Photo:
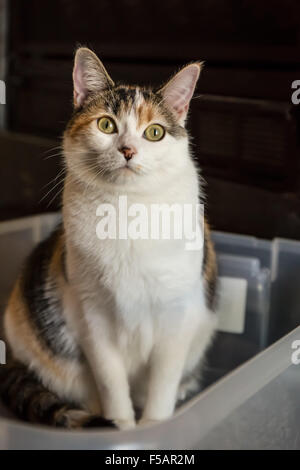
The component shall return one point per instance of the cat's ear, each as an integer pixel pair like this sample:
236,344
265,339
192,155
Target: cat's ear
177,93
89,76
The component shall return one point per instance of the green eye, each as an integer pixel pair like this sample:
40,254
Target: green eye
154,132
106,125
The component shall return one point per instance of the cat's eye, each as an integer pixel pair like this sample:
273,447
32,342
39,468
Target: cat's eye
154,132
106,125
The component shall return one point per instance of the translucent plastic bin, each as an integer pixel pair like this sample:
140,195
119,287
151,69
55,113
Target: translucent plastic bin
17,238
231,349
282,258
244,245
285,298
249,258
212,416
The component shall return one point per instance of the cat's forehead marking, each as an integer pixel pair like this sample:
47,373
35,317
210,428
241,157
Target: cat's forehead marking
122,99
145,113
135,101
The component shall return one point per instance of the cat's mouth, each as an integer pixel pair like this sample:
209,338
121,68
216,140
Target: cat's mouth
124,172
129,168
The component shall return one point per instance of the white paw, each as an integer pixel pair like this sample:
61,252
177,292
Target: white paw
124,425
188,388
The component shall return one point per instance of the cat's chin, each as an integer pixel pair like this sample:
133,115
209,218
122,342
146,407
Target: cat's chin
124,175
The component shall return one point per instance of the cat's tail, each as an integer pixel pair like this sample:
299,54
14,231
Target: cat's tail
24,395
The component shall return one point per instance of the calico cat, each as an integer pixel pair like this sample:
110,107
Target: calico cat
101,328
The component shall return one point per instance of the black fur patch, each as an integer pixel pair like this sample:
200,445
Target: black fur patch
211,293
43,300
123,96
98,422
24,394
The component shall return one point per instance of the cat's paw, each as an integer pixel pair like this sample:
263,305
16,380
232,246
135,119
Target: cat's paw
187,389
124,425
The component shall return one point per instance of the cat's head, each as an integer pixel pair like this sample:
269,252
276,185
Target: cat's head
128,136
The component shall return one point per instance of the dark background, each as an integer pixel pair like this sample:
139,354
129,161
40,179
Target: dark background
245,128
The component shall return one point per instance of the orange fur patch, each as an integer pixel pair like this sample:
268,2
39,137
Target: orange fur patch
80,123
210,268
145,114
16,317
56,265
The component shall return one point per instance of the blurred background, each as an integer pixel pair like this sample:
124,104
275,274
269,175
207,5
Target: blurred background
245,127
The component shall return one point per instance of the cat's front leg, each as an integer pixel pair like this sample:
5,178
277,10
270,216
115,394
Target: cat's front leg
167,364
109,371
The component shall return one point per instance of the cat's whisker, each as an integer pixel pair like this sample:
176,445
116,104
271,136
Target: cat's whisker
55,196
58,147
57,151
59,154
55,178
52,189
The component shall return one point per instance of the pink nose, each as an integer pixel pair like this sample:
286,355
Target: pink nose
128,152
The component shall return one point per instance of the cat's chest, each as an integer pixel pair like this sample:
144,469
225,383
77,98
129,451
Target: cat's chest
140,272
144,264
161,267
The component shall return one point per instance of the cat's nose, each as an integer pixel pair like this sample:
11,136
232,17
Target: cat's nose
128,152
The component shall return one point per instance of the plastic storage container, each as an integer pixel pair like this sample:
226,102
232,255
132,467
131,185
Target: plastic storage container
244,245
231,347
243,257
285,298
217,416
282,258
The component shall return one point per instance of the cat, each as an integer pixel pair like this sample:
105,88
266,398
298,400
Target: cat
98,329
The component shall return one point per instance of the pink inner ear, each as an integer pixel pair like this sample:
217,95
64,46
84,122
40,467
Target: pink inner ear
80,91
179,91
